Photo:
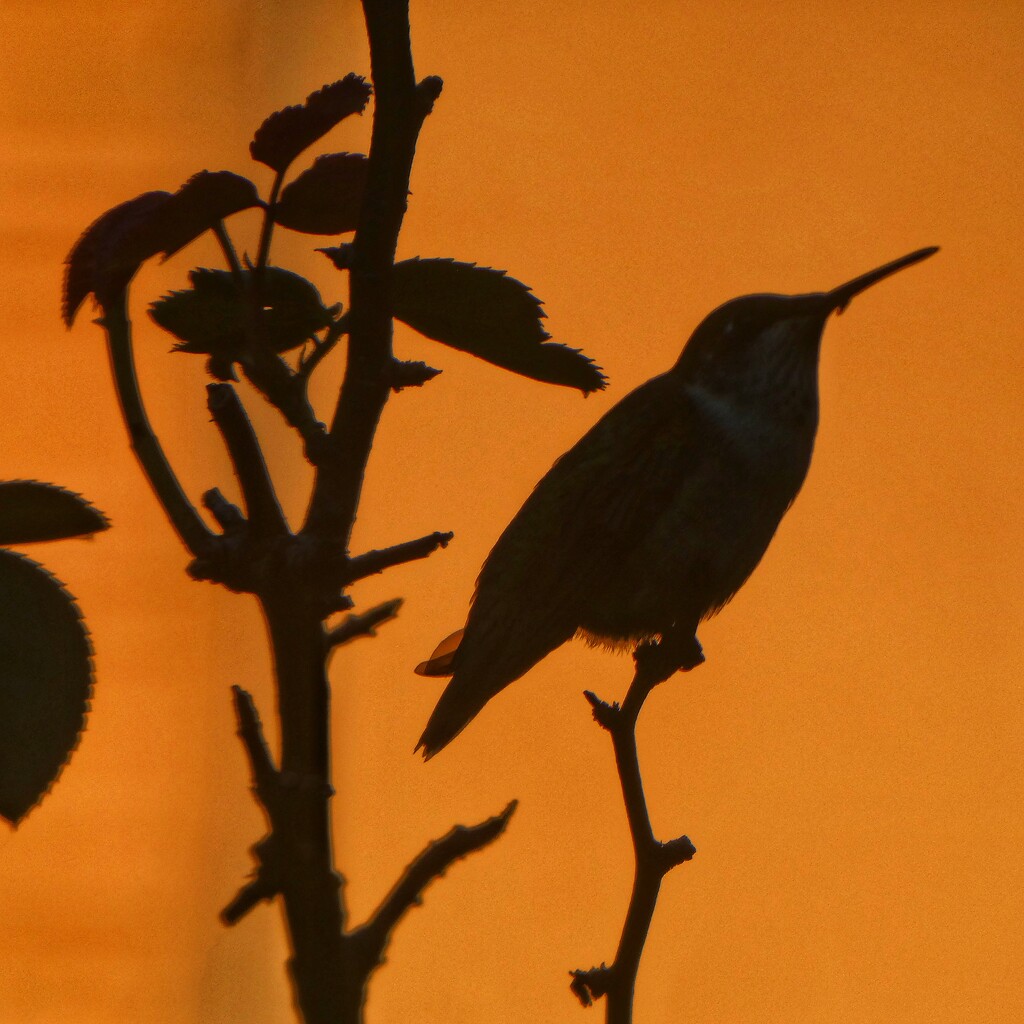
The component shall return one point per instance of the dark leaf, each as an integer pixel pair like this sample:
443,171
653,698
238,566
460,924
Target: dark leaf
490,315
45,682
31,511
110,251
285,134
213,316
205,199
326,199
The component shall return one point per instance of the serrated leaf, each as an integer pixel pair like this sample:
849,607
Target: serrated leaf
212,316
110,251
286,133
490,315
45,682
205,199
326,198
31,511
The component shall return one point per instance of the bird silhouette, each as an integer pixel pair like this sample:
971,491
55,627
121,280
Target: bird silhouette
660,513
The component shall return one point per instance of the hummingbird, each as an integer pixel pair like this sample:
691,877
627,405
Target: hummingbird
660,513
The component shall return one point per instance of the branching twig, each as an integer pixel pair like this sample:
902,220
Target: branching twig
371,939
295,576
401,106
243,447
655,662
364,623
323,348
377,561
265,778
280,385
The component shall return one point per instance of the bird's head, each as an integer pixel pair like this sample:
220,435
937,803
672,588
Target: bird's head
748,344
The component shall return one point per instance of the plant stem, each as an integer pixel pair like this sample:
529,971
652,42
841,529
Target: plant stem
321,973
652,858
399,111
267,229
194,533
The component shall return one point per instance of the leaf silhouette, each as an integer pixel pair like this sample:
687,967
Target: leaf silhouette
490,315
205,199
286,133
105,258
213,316
31,511
326,199
45,682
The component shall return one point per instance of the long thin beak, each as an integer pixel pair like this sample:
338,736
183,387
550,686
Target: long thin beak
839,298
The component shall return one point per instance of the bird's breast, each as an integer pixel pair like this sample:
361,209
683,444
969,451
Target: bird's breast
772,435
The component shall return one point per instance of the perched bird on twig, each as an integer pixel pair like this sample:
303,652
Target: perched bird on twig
658,515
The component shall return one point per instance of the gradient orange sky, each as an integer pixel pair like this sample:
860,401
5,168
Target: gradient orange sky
847,762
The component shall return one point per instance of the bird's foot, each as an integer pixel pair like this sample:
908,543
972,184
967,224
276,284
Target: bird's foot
675,652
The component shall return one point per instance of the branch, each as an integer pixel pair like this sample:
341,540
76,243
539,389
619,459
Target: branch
323,348
250,731
184,517
400,109
655,662
266,883
283,388
243,447
374,562
371,939
364,624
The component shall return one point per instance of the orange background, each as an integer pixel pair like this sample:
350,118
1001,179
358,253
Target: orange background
848,760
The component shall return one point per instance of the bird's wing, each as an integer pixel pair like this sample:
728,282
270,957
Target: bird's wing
581,521
596,503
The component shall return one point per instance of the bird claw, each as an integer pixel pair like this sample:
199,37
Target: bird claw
675,652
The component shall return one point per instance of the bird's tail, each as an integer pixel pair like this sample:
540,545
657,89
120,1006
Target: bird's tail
480,669
458,706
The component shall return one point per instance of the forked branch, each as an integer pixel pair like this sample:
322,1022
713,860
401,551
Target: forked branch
615,983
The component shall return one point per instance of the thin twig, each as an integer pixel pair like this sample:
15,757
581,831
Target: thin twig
364,623
323,348
265,781
267,228
373,562
262,506
372,938
184,517
250,731
230,255
401,106
653,860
